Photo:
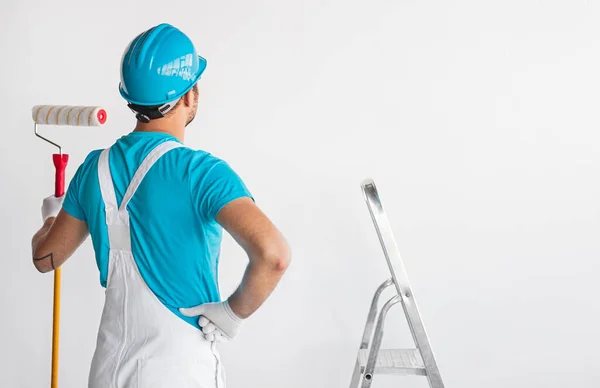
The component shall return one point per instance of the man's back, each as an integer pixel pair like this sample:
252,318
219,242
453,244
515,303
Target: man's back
174,235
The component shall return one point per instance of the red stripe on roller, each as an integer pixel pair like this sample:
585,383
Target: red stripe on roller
101,116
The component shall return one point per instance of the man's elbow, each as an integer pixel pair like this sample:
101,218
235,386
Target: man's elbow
43,262
282,261
43,269
278,258
42,266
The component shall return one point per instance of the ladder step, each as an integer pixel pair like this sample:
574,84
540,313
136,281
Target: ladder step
395,361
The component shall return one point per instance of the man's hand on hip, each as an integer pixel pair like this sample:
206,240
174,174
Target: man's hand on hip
214,318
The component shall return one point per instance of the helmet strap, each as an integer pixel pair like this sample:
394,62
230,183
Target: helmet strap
147,113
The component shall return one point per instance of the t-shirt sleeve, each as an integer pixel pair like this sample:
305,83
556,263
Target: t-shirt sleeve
71,202
214,184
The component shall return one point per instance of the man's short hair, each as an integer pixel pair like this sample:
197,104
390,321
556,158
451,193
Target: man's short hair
147,113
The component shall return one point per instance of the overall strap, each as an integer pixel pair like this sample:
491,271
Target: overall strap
148,162
117,218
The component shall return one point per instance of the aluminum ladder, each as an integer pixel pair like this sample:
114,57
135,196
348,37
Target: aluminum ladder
371,359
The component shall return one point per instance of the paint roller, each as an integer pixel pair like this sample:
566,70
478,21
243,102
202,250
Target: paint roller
67,115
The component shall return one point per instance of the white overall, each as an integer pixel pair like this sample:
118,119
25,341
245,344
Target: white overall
141,343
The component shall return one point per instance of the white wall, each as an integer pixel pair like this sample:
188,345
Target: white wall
478,121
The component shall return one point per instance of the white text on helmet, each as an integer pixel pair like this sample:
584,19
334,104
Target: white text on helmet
180,67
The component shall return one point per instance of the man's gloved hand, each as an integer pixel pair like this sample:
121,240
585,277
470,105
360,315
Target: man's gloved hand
210,331
51,206
215,319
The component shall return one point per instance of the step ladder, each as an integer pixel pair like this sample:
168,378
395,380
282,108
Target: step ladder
371,359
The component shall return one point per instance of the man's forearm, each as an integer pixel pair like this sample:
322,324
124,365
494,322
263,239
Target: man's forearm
260,279
43,262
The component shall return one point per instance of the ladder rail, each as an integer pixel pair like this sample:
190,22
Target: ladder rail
400,280
368,332
376,344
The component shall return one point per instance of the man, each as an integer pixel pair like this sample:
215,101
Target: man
155,211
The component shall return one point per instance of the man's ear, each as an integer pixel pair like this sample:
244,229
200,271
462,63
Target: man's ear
188,98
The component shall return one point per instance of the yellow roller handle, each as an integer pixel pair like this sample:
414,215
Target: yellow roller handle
55,328
60,163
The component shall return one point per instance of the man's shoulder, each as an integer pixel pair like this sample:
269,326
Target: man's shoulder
90,161
93,156
203,166
198,158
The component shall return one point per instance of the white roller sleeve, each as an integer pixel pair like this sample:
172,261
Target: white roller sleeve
69,115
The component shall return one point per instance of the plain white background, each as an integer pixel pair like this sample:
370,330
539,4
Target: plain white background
478,121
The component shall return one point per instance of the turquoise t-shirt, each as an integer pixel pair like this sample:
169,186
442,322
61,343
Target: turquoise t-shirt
175,238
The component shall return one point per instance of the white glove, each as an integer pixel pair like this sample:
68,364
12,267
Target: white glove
215,319
51,206
210,331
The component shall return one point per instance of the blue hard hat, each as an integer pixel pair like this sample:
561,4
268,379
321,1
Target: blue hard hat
159,66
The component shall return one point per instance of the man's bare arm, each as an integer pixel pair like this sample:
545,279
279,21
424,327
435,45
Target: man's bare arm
57,240
267,250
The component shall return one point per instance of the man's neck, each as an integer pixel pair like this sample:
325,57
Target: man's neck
161,127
